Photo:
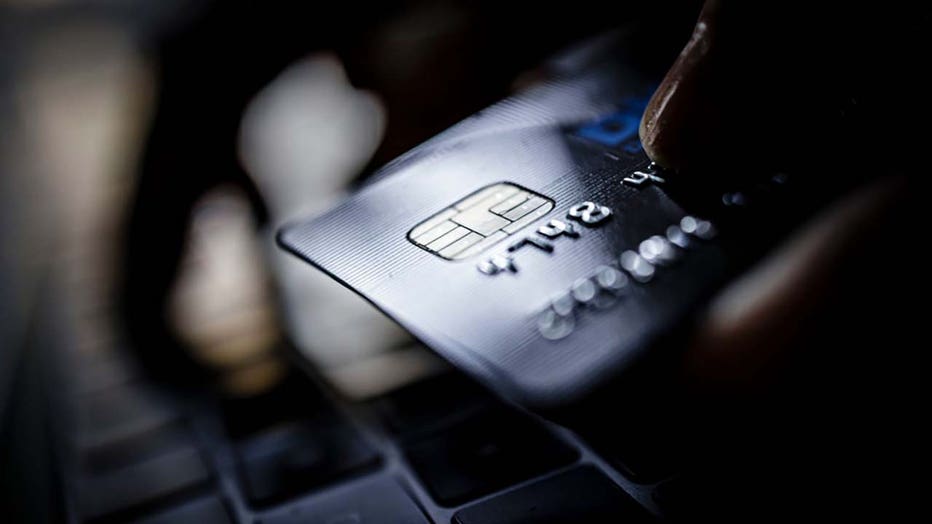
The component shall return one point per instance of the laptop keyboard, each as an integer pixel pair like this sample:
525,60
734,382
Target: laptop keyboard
483,454
579,495
441,450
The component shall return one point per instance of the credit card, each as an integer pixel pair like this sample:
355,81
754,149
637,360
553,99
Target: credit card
534,245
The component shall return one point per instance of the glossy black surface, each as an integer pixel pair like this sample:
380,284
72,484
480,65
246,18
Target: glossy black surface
379,500
467,460
579,495
208,510
290,459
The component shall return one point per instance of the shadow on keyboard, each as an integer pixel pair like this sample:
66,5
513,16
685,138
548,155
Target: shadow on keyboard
439,450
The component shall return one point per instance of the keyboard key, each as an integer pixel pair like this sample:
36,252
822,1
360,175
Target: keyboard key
672,498
579,495
134,447
647,449
112,406
431,404
647,440
295,398
641,459
102,372
120,413
209,510
293,458
484,453
377,500
143,485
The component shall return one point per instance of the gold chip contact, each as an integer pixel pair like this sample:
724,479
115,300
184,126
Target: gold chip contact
475,223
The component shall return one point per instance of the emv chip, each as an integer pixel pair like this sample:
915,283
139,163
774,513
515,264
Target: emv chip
475,223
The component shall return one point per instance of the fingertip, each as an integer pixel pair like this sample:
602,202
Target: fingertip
675,122
654,138
753,327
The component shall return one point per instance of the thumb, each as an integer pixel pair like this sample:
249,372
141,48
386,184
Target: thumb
752,327
681,117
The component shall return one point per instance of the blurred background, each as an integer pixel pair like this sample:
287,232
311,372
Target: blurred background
148,151
161,360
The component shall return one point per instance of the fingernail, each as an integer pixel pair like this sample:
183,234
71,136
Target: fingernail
670,126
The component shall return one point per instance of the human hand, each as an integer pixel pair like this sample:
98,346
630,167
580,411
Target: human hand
795,359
